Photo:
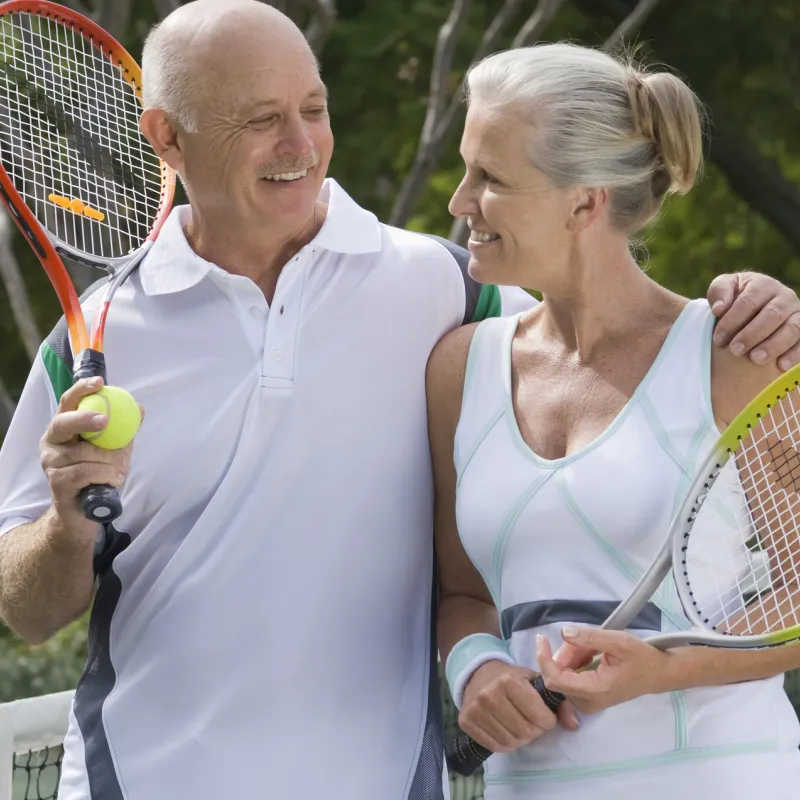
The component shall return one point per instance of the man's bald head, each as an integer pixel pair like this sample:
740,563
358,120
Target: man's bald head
187,54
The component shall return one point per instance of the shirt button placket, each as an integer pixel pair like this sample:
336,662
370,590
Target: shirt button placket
282,326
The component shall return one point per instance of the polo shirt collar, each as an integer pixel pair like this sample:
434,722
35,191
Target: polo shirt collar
348,228
172,266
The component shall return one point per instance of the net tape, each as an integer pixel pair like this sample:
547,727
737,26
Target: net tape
742,556
69,134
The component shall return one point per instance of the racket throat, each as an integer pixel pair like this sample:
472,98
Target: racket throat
89,364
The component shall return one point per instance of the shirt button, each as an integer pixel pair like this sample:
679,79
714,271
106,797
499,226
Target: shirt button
277,355
255,312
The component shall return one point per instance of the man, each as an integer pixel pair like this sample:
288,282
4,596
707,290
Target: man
262,610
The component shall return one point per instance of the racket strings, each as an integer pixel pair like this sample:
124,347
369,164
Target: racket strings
742,553
70,138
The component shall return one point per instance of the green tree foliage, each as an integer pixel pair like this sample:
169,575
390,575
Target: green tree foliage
53,667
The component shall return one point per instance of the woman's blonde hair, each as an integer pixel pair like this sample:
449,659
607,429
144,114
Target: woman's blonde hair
599,121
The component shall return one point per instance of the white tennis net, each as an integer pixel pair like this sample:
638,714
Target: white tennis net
31,734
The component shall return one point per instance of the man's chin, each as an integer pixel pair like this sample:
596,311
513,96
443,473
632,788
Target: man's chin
288,207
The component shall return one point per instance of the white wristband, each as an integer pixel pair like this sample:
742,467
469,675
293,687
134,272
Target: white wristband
471,653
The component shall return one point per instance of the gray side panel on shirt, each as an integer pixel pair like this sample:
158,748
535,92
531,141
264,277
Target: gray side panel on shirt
471,287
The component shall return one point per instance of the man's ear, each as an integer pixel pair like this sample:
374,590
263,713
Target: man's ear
588,205
162,133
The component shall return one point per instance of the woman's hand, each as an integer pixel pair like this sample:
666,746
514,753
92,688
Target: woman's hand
628,668
503,712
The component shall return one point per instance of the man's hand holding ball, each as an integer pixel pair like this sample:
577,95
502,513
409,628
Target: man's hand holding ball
89,441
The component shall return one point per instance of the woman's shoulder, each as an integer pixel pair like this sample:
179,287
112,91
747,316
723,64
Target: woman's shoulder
735,381
445,376
447,364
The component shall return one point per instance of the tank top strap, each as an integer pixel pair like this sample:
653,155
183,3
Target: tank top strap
485,385
677,396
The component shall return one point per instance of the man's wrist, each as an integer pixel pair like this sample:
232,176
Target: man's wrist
67,529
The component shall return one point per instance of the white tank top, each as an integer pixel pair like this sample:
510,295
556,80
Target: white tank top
564,540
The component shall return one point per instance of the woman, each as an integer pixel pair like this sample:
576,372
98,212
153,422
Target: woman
563,438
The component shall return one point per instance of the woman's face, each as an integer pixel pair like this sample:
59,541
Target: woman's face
518,220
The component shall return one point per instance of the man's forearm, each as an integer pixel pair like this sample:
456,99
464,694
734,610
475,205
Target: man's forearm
46,576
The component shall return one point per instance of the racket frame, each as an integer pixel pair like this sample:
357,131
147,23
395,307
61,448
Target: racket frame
100,503
49,248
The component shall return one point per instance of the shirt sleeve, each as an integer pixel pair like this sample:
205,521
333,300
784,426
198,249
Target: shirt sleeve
24,490
483,301
513,300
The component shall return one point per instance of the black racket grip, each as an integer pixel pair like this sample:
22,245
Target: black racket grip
551,699
100,503
465,755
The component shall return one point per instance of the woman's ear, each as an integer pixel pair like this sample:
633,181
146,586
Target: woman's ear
588,204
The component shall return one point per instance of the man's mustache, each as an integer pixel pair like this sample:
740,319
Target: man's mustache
283,165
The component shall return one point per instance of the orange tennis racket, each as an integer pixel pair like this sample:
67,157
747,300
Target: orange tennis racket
76,174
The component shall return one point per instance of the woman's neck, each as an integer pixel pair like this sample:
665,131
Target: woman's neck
606,300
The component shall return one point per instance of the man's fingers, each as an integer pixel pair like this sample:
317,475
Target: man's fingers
763,325
742,311
80,389
68,481
60,456
778,346
789,358
66,425
721,293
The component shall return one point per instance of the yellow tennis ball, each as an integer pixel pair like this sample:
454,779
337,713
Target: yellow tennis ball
123,413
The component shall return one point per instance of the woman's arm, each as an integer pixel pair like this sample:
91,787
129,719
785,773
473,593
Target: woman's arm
630,668
500,708
465,605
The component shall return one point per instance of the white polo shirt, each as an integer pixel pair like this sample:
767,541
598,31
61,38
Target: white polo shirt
262,625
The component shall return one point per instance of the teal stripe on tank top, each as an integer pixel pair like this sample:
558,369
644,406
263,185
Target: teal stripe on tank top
632,765
507,527
475,346
493,420
614,555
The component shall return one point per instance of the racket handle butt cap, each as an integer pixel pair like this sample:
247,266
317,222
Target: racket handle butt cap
100,503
